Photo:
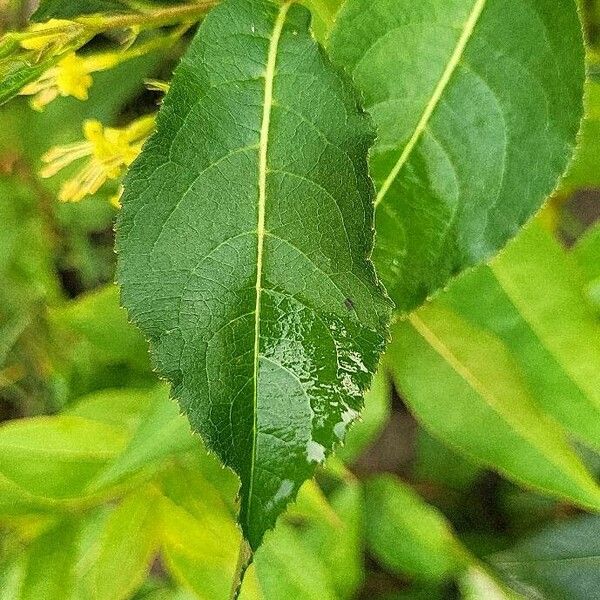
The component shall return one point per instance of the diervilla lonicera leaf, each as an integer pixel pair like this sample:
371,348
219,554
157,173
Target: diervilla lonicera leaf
477,104
243,244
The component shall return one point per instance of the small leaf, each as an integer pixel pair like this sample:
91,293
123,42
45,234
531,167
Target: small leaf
409,537
477,104
249,271
478,403
561,562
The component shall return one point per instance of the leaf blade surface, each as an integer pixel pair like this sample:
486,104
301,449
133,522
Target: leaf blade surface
244,242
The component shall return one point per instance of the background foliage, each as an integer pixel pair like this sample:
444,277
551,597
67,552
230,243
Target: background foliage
478,482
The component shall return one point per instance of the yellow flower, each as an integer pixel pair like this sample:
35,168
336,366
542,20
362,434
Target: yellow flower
110,151
69,77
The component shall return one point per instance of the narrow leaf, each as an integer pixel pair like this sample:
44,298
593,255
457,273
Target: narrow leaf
477,105
464,386
243,249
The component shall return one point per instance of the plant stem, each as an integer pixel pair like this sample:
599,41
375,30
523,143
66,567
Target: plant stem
152,18
244,561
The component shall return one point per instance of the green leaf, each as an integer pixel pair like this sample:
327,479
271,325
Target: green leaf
584,172
477,105
561,562
162,434
554,305
249,271
128,543
407,536
477,403
50,564
480,299
56,457
546,287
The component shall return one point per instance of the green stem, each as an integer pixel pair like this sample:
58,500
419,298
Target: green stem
170,15
244,561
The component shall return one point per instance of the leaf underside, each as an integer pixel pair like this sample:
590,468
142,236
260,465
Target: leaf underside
477,104
243,249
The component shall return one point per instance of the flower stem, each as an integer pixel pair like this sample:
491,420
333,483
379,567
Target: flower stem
169,15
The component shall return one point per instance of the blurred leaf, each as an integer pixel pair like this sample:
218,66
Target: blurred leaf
479,298
199,535
562,562
463,385
407,536
476,584
338,543
57,456
122,408
98,346
544,284
163,432
49,572
372,420
98,318
286,568
478,104
128,543
458,473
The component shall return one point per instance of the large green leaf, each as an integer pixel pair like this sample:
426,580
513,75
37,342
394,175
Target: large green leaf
537,330
546,287
559,563
478,104
462,383
243,249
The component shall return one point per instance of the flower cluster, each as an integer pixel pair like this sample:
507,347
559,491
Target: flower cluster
109,151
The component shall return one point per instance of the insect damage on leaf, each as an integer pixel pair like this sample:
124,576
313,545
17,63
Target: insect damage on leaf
244,244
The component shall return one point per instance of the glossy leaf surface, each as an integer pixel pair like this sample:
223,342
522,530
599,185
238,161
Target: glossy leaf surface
243,243
477,105
463,385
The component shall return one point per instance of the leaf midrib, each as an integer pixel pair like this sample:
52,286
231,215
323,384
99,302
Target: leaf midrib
269,76
438,92
479,387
